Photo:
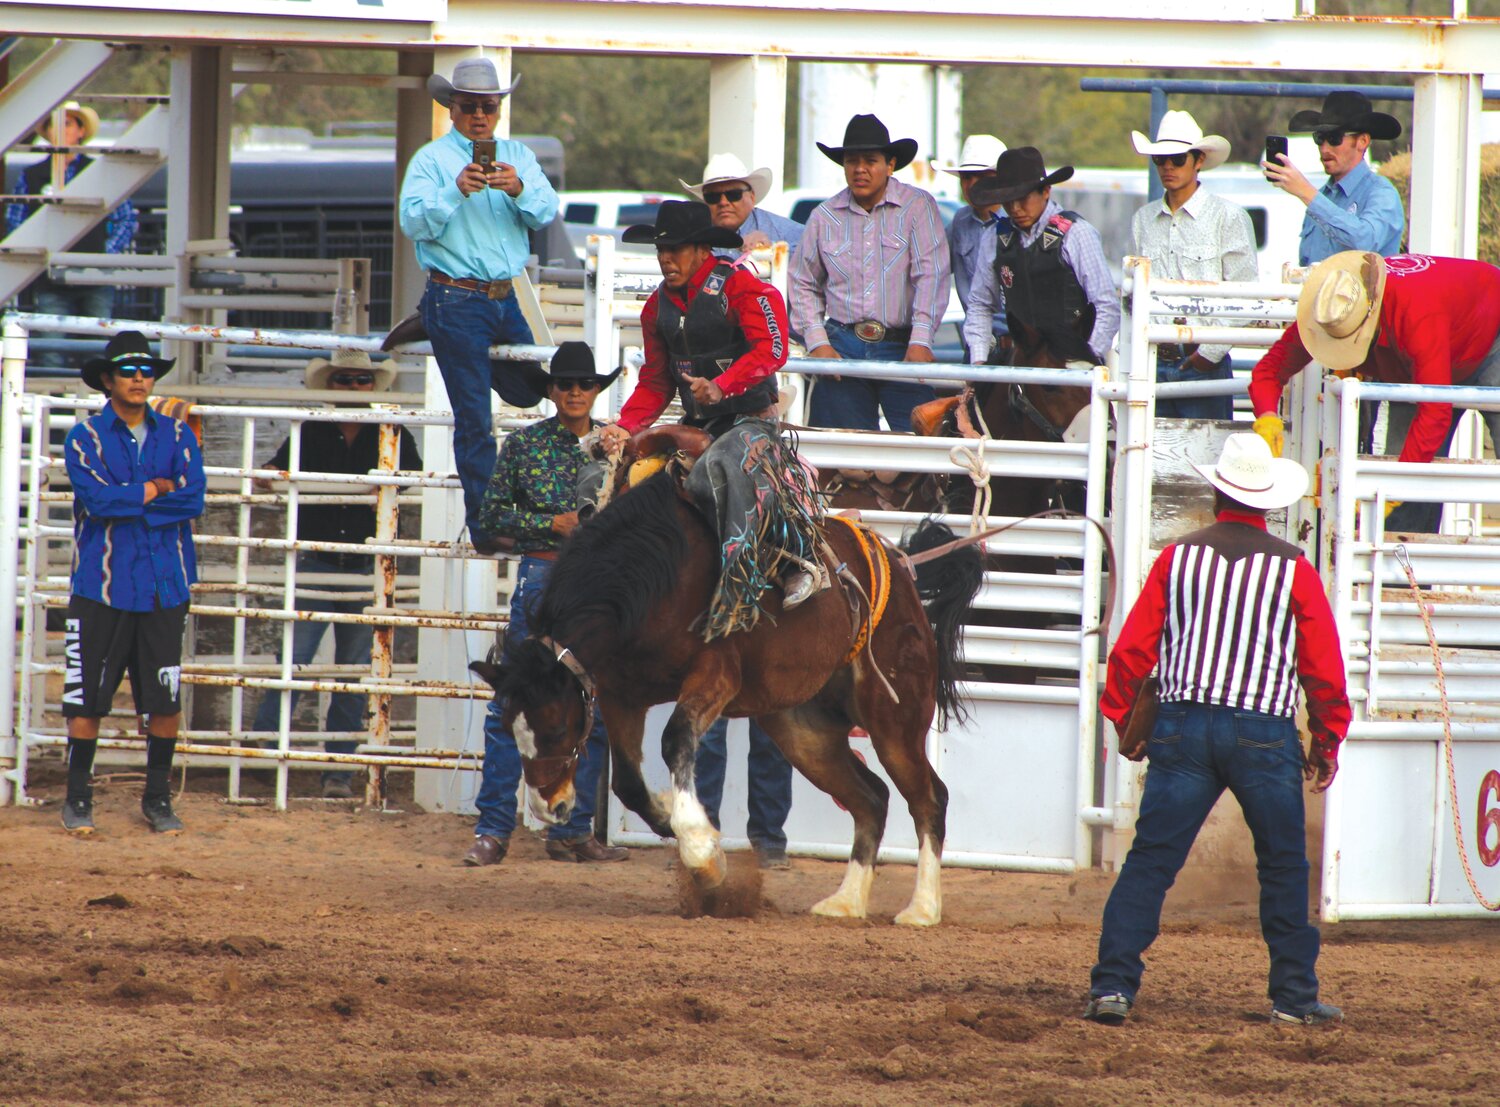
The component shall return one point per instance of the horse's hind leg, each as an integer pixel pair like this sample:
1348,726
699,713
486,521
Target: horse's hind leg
816,742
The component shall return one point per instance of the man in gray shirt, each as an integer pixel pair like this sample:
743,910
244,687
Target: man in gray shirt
976,161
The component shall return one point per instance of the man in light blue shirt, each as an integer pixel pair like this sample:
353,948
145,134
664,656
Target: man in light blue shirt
469,223
1357,209
976,162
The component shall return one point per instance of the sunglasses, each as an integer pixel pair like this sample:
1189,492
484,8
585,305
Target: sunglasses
1179,160
352,380
1329,138
128,371
472,107
733,195
575,385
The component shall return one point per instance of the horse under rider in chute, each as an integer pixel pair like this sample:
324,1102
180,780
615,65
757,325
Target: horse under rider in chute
715,335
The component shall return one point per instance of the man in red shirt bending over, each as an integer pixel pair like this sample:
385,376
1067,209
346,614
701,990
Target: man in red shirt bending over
1407,319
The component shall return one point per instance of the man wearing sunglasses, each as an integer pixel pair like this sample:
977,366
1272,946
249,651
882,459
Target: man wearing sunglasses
1357,209
1192,235
470,225
138,484
731,192
329,447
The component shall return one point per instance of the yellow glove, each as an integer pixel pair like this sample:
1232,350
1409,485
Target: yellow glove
1270,427
1390,506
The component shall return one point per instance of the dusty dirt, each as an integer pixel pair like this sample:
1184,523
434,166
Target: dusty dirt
331,955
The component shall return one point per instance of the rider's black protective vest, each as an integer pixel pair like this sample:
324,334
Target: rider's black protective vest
1040,288
704,341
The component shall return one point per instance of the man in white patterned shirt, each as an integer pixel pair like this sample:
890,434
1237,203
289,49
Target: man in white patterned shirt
870,280
1192,235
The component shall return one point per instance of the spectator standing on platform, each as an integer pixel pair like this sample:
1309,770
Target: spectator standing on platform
976,162
470,229
1227,719
533,499
138,483
1047,269
870,281
732,192
352,448
1192,235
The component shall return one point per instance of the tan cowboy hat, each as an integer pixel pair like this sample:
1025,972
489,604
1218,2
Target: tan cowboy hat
723,168
979,155
320,369
1179,133
1338,311
1247,473
87,116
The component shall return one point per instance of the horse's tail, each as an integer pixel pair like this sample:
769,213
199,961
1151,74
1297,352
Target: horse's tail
947,586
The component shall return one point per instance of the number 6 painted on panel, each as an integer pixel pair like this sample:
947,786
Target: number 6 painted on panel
1489,819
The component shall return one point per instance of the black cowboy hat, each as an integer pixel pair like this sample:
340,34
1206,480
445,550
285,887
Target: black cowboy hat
866,133
1347,110
574,361
1018,173
682,223
125,350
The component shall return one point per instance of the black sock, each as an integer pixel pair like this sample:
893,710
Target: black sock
159,765
81,767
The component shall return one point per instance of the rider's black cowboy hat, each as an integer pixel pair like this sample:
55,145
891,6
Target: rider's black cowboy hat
682,223
126,350
1347,110
1018,173
574,361
866,134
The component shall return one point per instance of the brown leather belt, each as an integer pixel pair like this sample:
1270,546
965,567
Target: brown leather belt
541,555
495,290
870,330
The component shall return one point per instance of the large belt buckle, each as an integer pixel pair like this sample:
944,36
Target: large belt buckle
867,330
500,290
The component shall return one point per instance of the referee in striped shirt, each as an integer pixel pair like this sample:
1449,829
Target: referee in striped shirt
1233,620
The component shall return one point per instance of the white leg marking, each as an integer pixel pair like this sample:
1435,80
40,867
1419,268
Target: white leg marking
539,809
926,907
697,840
525,739
852,899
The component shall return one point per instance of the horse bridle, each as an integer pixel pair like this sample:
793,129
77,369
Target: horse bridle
567,659
1021,405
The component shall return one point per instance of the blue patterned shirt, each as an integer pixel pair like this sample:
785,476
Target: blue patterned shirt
129,554
1361,212
119,226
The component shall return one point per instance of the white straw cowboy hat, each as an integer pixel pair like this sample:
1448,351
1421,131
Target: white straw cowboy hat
320,369
723,168
1247,472
87,117
474,76
1178,133
1338,311
979,155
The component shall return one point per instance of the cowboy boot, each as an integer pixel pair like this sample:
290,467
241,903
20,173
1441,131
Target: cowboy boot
802,583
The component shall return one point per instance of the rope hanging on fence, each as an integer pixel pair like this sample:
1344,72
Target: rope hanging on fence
1458,827
971,460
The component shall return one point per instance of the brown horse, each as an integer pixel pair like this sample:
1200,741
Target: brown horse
620,619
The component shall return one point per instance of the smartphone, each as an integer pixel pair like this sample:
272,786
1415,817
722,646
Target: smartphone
1275,144
484,153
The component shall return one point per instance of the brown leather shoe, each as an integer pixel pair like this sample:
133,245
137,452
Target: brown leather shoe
486,850
584,849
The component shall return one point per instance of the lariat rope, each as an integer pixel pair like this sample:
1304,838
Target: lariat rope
611,468
1458,827
971,459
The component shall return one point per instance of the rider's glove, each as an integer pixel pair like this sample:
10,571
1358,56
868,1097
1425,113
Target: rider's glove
1270,427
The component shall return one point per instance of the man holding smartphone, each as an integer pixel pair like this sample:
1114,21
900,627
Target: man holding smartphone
468,202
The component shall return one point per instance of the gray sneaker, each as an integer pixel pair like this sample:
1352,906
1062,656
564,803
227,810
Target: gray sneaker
78,816
1110,1010
158,812
1322,1014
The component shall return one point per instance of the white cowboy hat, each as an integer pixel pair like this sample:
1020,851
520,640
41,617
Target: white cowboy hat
1246,472
979,155
319,369
723,168
475,76
1179,132
1338,311
86,116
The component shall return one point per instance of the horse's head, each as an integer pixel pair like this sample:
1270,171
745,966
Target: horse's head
1051,408
549,708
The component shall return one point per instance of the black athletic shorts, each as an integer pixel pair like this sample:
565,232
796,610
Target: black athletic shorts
102,643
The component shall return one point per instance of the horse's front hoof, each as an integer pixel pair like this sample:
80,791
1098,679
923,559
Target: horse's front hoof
712,874
919,916
838,907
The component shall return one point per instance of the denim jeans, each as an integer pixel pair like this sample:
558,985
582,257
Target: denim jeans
463,325
1173,371
856,403
92,301
351,646
1196,752
770,783
502,761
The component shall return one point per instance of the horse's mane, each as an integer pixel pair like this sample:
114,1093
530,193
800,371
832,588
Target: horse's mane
1065,344
615,567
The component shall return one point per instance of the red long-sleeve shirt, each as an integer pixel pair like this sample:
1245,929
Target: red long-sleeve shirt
761,314
1233,615
1438,319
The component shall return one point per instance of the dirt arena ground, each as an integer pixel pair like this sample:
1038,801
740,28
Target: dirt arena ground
331,955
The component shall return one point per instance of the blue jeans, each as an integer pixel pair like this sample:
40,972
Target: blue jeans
463,325
856,403
1172,371
770,783
1196,752
502,761
351,646
93,301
